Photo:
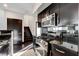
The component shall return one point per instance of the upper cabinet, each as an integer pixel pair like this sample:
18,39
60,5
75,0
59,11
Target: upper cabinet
67,13
52,9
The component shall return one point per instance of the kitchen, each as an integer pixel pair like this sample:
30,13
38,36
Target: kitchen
50,30
58,26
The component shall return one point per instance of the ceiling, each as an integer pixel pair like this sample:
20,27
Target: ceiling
22,8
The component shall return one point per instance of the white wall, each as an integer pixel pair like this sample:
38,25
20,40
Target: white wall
25,20
14,15
3,21
30,20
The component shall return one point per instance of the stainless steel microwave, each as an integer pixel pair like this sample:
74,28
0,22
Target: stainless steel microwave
50,20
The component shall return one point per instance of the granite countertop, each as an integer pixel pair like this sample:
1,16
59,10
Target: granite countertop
55,42
66,45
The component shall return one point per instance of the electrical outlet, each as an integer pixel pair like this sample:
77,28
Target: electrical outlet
71,46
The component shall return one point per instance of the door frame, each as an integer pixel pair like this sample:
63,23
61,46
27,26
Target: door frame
21,26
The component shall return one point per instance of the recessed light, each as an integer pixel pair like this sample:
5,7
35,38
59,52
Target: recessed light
5,5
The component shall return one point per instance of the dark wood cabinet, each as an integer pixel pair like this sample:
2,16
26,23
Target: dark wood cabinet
67,13
53,8
63,51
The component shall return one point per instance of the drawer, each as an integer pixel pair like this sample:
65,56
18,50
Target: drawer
65,51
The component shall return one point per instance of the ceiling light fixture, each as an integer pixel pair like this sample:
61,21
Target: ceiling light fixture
5,5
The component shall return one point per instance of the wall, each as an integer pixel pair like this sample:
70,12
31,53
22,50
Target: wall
3,20
25,20
30,20
14,15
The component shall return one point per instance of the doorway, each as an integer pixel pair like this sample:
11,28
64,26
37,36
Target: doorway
16,26
27,35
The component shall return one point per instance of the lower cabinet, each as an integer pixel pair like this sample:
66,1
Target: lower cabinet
62,51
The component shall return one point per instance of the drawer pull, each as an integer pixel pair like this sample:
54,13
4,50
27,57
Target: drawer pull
60,51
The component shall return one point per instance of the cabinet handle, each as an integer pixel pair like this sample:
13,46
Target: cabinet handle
60,51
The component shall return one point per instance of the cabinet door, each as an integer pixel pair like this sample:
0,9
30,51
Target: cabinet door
68,13
55,8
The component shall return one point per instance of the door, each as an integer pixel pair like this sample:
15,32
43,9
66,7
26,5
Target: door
16,26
